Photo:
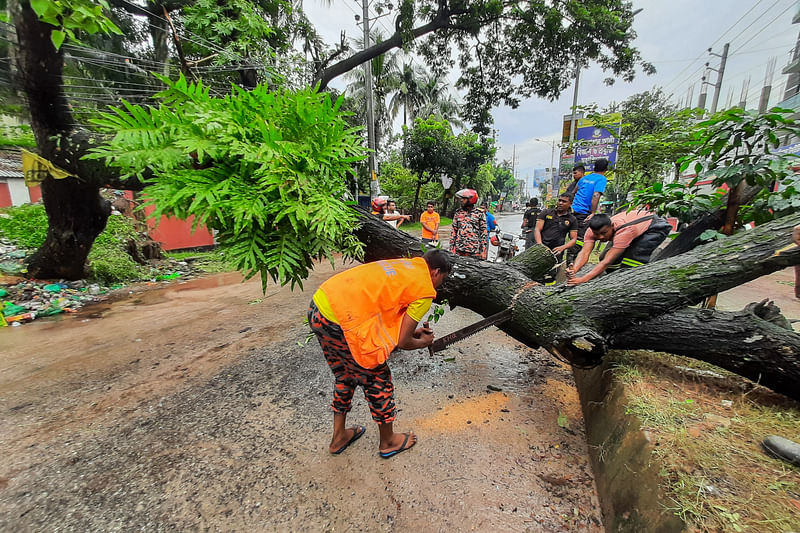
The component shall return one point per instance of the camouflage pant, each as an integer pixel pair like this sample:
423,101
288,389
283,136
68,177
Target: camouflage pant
376,382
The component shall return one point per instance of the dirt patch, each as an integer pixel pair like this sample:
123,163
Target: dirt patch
201,406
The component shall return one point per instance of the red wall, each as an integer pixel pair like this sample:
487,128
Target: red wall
35,193
5,195
174,234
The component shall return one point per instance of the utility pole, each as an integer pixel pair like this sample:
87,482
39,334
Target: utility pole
374,186
574,104
763,103
720,74
701,100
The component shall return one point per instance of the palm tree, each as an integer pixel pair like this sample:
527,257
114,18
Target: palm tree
385,79
438,101
407,94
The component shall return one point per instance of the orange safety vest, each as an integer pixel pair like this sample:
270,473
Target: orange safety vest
370,300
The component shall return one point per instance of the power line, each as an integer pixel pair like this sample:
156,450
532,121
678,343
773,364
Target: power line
764,27
677,76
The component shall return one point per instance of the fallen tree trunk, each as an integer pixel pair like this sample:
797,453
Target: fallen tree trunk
742,342
582,323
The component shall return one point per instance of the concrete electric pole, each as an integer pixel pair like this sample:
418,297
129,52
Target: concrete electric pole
720,73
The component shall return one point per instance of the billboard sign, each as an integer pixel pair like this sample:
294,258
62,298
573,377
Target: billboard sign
597,140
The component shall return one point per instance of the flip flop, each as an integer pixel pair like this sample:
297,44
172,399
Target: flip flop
402,448
360,430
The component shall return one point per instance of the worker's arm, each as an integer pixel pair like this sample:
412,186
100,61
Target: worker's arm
524,221
573,238
595,202
581,260
609,259
537,231
427,227
796,235
412,337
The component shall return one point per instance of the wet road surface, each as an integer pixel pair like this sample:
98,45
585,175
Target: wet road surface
205,406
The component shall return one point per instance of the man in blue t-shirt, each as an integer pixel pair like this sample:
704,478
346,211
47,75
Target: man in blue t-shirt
587,197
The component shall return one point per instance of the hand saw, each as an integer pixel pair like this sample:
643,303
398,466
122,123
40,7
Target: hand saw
497,318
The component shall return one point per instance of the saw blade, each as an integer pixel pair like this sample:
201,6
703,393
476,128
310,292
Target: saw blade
497,318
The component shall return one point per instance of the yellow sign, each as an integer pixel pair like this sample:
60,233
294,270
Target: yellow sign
605,120
36,168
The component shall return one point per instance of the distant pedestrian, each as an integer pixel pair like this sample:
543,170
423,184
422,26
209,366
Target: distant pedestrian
379,209
633,237
587,195
359,317
430,224
529,221
554,225
396,219
469,236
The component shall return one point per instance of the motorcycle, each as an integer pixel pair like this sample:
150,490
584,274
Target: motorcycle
506,243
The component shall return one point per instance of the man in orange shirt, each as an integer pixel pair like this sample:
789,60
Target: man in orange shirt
430,224
633,235
360,316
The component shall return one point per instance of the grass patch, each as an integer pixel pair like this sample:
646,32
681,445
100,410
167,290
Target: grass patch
25,225
109,262
17,136
443,221
210,261
714,471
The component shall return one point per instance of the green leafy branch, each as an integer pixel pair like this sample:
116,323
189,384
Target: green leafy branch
266,170
72,16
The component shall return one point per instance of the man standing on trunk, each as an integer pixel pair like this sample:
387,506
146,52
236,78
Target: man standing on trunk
588,191
359,317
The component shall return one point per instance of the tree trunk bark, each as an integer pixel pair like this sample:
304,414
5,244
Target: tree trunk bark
76,212
742,342
581,323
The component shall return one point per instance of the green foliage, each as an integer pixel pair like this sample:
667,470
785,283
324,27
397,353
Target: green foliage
400,184
109,261
734,147
507,51
26,225
17,136
267,170
70,17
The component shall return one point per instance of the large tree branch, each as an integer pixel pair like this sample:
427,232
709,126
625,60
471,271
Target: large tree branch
742,342
395,41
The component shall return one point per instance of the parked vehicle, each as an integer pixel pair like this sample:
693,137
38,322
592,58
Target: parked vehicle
506,243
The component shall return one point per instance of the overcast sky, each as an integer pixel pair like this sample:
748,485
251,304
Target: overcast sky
674,35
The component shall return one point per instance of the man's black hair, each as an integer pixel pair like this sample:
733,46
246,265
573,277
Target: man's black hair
534,202
601,165
599,221
430,203
438,258
579,167
566,195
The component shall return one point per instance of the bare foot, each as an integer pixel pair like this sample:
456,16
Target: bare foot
398,442
350,435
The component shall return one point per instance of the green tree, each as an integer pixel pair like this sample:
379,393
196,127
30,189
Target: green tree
529,48
267,171
734,148
431,150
